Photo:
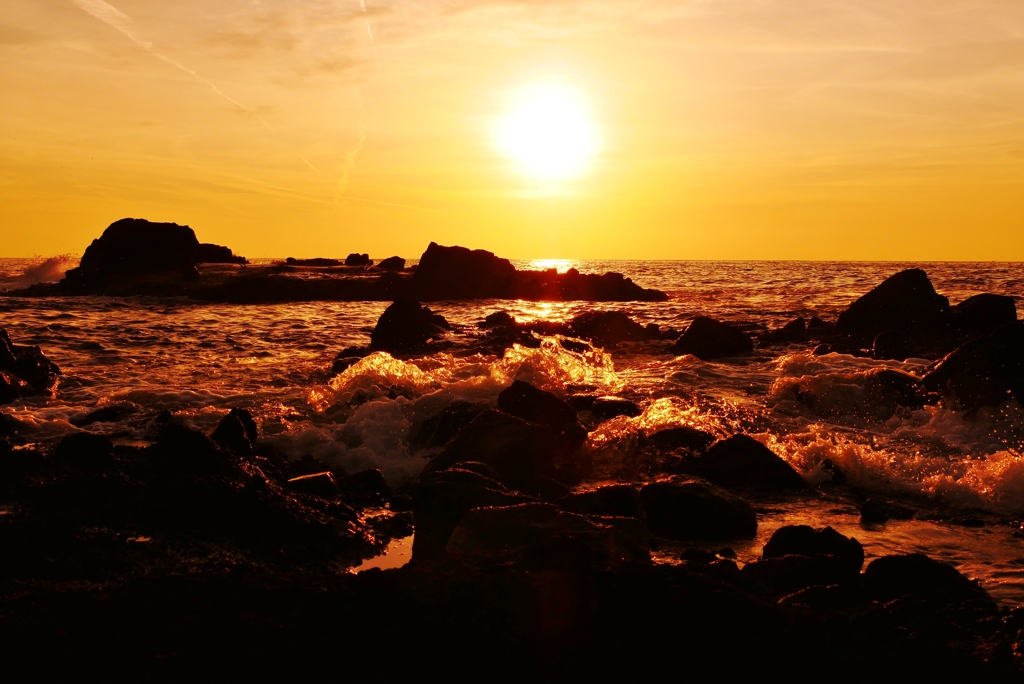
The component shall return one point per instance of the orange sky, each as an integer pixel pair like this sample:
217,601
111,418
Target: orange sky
730,129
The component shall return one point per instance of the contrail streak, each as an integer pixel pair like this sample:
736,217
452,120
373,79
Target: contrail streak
112,16
369,31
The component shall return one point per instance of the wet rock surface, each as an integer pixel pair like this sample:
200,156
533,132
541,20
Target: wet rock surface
986,371
682,507
24,370
406,326
742,462
904,301
709,339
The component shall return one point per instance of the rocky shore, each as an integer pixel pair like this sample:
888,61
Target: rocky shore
531,556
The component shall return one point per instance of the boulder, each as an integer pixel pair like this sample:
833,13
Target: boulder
498,319
111,413
607,328
682,437
208,253
138,246
619,500
522,453
804,540
85,452
441,499
690,508
791,573
358,260
437,430
237,432
24,370
460,273
891,344
917,575
794,331
606,408
904,301
983,313
394,263
983,372
741,462
523,400
546,535
405,326
709,339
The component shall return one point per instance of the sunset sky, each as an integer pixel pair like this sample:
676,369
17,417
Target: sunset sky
715,129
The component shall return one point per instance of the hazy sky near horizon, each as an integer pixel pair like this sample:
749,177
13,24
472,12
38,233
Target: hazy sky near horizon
732,129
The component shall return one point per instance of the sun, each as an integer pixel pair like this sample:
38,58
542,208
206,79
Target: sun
548,132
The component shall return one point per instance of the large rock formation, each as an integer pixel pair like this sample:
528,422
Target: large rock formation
904,301
135,247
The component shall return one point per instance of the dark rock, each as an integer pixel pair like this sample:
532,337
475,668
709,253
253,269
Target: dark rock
577,346
606,408
709,339
480,469
620,500
845,596
405,326
915,574
523,400
498,319
321,485
791,573
24,370
521,452
698,556
794,331
11,426
904,301
85,452
891,344
889,386
983,313
549,535
983,372
689,508
319,262
437,430
682,437
877,511
394,263
342,364
358,260
237,432
106,414
804,540
13,387
372,480
744,463
817,327
208,253
441,499
137,246
607,328
460,273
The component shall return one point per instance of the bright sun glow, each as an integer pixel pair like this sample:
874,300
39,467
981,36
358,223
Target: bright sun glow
548,132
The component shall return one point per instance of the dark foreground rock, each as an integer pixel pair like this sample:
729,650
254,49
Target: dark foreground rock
406,326
741,462
804,540
709,339
689,508
24,370
984,372
904,301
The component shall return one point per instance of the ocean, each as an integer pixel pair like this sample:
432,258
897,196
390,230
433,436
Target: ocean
963,473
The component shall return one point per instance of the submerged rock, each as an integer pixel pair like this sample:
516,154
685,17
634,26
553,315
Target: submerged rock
405,326
744,463
904,301
688,508
983,372
709,339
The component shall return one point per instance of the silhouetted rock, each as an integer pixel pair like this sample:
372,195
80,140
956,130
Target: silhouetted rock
818,327
917,575
405,326
137,246
804,540
394,263
875,510
709,339
606,408
983,372
85,452
207,253
744,463
24,370
791,573
621,500
460,273
442,498
437,430
319,262
498,319
607,328
546,535
983,313
237,432
688,508
904,301
106,414
358,260
891,344
794,331
521,452
523,400
372,480
682,437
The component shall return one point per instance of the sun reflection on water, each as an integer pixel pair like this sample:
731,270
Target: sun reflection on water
560,265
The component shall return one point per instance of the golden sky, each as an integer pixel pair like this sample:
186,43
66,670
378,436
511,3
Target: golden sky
728,129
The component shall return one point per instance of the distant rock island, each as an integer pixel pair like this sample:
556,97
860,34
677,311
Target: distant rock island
140,257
